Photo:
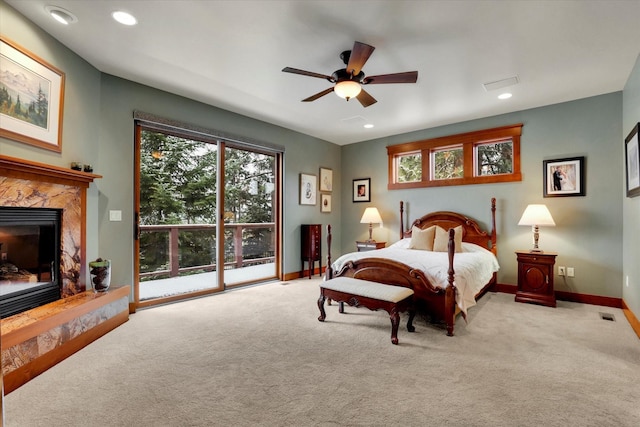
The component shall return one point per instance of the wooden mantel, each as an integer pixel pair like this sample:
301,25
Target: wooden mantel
25,169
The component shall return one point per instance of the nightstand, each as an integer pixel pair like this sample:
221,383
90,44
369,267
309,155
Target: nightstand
535,277
369,246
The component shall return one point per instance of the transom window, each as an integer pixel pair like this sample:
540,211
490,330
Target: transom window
485,156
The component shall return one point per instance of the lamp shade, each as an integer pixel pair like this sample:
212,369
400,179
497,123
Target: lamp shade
347,89
537,215
371,215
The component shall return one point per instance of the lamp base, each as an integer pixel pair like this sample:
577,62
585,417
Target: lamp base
536,251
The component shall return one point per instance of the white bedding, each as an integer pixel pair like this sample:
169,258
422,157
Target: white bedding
473,267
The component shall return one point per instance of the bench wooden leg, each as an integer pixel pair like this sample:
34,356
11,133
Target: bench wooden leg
395,321
323,315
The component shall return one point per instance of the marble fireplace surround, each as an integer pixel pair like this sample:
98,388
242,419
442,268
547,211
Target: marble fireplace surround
33,185
35,340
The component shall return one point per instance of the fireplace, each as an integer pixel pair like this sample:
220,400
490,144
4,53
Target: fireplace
29,258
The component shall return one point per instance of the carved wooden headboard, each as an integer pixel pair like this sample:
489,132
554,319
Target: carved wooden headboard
471,231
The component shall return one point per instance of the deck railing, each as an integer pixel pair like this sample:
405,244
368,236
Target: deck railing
235,245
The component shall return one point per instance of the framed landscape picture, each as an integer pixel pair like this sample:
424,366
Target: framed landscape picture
362,190
34,92
308,189
564,177
632,156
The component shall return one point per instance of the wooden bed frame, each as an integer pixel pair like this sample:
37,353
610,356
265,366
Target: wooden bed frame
439,303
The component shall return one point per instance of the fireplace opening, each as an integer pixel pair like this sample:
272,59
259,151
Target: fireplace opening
29,258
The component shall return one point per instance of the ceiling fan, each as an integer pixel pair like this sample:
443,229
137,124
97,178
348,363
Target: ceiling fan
349,81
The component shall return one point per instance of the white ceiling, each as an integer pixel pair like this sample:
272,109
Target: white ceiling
230,54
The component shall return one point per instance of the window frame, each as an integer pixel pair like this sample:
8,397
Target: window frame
469,141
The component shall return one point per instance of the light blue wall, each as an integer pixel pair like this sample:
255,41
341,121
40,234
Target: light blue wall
588,235
631,239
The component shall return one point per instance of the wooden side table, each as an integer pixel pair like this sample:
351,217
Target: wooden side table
369,246
535,277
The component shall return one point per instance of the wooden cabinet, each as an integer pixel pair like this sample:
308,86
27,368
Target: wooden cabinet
369,246
535,278
311,247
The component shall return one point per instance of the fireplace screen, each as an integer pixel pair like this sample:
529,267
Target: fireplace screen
29,258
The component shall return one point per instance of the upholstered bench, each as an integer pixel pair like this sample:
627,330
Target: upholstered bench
372,295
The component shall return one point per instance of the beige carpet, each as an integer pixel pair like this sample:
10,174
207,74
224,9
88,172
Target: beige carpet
259,357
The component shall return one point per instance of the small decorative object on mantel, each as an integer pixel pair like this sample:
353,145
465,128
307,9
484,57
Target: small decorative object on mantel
100,271
88,168
76,166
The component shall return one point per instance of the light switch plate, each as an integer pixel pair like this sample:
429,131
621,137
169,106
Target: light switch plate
115,215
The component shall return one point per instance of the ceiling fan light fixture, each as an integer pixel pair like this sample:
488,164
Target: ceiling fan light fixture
347,89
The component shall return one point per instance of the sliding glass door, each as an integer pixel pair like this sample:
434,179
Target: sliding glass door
187,189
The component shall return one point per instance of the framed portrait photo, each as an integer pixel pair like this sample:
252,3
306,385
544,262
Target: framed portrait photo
632,156
308,189
564,177
33,114
326,179
362,190
325,203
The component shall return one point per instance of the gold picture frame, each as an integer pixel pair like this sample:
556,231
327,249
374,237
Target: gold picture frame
32,112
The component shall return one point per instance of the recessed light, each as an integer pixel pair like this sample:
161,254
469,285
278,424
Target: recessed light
505,95
368,126
61,15
124,18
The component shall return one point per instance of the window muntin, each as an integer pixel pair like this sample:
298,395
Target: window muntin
479,157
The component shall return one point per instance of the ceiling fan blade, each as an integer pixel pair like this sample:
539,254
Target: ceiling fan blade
365,99
407,77
359,55
318,95
306,73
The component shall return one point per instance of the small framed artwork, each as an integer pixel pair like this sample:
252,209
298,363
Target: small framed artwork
35,89
308,189
326,179
564,177
362,190
325,203
632,155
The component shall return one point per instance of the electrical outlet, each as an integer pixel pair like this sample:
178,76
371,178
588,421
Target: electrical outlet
571,272
627,281
561,271
4,258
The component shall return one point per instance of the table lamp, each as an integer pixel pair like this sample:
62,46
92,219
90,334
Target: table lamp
370,216
535,216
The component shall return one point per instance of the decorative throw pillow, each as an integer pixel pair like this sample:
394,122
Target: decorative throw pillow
441,241
422,239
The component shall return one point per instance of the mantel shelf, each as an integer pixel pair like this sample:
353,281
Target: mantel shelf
26,169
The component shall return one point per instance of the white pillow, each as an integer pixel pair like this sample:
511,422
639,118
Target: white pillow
422,239
441,241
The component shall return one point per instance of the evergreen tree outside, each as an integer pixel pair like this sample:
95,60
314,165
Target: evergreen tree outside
178,186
